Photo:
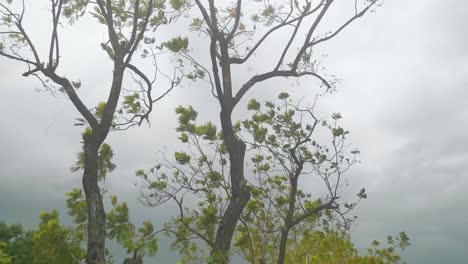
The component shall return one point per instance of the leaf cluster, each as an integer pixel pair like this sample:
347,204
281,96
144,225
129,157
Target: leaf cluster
104,160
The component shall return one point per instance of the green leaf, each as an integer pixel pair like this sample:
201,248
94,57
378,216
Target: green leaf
339,131
182,158
76,84
176,45
177,4
208,131
184,137
99,112
253,105
186,114
114,200
197,24
283,96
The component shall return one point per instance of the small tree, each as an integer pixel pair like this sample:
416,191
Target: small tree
137,242
4,257
52,242
284,149
289,151
18,243
49,243
327,244
236,34
55,244
126,23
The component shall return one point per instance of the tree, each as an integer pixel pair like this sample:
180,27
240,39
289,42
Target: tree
4,258
52,242
49,243
327,244
17,243
287,140
55,244
235,35
126,23
137,242
284,148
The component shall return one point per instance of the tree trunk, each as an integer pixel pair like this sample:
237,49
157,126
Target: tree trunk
283,243
289,216
96,213
133,260
240,192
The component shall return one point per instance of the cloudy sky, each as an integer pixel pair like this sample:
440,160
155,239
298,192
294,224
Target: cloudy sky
404,74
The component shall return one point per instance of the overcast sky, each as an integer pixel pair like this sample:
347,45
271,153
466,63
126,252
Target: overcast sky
403,92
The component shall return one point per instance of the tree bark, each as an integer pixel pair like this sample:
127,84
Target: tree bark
133,260
240,192
96,213
288,223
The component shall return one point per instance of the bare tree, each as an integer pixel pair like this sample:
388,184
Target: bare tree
126,23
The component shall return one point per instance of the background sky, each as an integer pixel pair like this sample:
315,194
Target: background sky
404,74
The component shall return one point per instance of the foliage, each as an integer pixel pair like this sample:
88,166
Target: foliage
177,44
287,142
104,160
328,245
139,242
49,243
17,243
282,147
4,257
198,174
55,244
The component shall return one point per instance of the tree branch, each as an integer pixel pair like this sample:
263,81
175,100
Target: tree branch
310,33
236,21
66,84
273,29
206,17
358,15
54,44
142,32
275,73
329,205
9,56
